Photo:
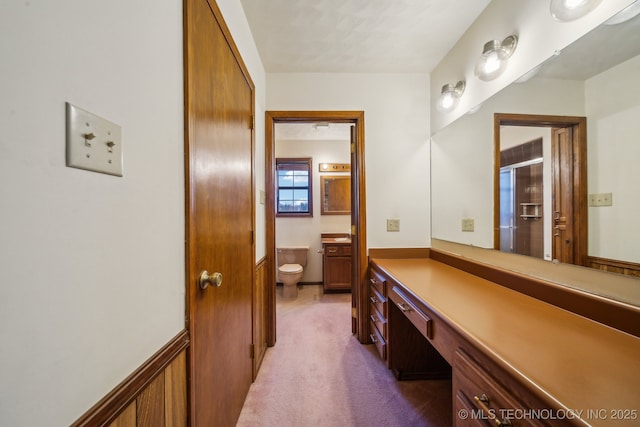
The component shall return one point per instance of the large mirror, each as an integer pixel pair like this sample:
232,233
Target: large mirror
598,78
335,195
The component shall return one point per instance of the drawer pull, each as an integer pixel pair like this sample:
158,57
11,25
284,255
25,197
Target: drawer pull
374,300
482,399
373,281
373,338
374,319
403,307
483,403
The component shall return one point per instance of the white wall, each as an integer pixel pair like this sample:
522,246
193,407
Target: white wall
613,151
91,265
305,231
396,142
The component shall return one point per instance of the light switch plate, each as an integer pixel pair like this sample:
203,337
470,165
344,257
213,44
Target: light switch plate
93,143
393,225
601,199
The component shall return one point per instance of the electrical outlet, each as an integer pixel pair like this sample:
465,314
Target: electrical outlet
467,224
393,225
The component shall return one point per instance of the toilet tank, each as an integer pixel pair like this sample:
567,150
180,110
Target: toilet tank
292,255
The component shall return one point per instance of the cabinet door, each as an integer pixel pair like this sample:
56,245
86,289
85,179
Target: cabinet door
337,273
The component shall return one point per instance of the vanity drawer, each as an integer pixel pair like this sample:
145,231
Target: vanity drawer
378,281
337,250
420,320
378,301
474,387
461,405
378,319
378,340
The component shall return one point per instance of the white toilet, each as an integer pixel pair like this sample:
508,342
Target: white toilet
291,263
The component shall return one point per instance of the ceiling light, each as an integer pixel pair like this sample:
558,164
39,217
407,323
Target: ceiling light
569,10
495,56
625,14
450,96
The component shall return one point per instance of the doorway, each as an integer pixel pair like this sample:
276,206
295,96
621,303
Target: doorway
522,203
358,211
567,216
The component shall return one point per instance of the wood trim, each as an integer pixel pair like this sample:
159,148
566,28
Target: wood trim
614,265
619,315
125,393
399,253
357,173
260,314
580,207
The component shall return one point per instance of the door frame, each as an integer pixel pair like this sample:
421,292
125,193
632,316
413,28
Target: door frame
579,178
358,226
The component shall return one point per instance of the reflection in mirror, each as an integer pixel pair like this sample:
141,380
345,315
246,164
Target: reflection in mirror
598,77
541,171
335,195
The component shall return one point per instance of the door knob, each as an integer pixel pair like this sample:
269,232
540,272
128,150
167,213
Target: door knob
206,279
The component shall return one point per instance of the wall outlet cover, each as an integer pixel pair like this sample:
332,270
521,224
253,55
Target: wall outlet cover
393,225
467,224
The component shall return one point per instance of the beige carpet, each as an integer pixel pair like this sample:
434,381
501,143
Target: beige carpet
318,374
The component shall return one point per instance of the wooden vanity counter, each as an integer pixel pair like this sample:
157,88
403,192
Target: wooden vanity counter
566,361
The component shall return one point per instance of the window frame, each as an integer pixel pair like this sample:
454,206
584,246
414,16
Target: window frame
298,163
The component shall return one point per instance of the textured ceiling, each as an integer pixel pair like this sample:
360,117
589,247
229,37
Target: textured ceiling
357,36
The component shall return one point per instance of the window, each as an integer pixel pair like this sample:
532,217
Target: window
293,183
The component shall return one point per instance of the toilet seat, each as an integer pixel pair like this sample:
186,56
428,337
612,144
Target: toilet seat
290,268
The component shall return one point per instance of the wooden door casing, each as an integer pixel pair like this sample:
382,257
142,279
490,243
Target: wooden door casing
219,216
358,211
577,180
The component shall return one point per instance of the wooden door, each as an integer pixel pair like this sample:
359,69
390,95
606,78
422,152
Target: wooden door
562,195
219,216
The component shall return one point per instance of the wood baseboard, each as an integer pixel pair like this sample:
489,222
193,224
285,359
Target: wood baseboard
614,266
120,398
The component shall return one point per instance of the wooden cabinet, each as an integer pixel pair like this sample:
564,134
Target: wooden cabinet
336,263
419,342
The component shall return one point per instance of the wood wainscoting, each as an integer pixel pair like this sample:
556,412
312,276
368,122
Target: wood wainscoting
154,395
614,266
260,314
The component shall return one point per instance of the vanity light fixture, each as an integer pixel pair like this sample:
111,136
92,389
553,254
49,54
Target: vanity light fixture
570,10
495,57
450,96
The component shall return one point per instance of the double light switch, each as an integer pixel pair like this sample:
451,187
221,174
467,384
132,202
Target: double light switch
93,143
